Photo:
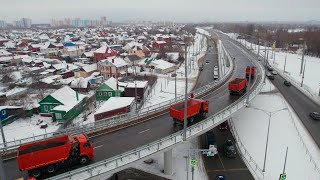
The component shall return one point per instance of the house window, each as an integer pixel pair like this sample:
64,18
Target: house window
101,93
4,112
110,94
45,108
105,93
58,116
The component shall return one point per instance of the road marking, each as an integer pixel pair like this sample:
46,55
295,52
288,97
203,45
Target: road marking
221,162
217,170
143,131
97,147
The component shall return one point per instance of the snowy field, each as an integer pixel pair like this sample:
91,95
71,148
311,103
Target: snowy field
311,82
179,163
286,130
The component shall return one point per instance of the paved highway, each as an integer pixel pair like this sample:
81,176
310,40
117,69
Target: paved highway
118,142
301,104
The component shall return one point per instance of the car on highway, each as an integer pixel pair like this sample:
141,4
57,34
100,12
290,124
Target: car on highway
315,115
221,177
229,150
274,72
287,83
223,126
200,68
269,68
207,62
270,76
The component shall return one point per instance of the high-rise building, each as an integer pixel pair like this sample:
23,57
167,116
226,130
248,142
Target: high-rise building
103,21
26,22
3,24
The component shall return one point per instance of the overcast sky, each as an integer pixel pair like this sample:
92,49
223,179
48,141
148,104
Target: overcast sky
41,11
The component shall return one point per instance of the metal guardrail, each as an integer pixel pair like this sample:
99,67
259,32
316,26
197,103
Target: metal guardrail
244,152
122,160
121,119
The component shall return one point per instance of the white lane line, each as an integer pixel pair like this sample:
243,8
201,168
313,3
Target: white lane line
143,131
97,147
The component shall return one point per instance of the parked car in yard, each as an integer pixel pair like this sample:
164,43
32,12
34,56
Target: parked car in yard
229,150
287,83
221,177
269,68
315,115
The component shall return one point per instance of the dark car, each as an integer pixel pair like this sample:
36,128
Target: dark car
221,177
270,76
201,69
269,68
315,115
229,150
223,126
287,83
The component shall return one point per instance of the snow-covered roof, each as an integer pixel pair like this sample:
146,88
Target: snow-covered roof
15,91
138,84
115,103
79,83
161,64
112,83
67,96
88,54
90,68
103,49
161,42
4,53
59,66
116,61
10,107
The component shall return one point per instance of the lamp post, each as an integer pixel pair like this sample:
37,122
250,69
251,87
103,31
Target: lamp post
302,59
185,95
267,141
2,172
285,60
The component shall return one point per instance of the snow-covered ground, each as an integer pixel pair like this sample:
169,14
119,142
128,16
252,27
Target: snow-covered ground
286,130
164,89
27,127
311,82
179,163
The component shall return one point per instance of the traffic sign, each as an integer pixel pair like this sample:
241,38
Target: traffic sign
283,176
193,162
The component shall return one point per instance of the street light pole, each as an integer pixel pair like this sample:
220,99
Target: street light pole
249,84
285,161
2,133
304,69
302,60
185,95
285,61
266,150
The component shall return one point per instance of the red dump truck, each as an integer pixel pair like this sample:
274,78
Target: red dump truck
49,155
238,86
252,72
196,108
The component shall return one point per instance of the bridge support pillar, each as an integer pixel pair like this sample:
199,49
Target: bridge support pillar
168,162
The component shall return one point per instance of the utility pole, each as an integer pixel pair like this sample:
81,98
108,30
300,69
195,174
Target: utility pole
185,94
249,84
285,161
302,60
2,172
304,69
285,60
265,64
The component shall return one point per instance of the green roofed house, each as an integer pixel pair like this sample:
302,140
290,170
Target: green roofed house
63,105
109,88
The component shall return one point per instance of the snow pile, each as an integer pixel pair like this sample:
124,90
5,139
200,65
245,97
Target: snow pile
286,130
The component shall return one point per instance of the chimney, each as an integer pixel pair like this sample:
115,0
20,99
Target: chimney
112,60
77,95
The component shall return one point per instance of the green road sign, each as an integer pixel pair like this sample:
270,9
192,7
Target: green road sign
193,162
283,176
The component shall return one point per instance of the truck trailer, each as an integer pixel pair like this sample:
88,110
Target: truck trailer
252,72
238,86
196,108
49,155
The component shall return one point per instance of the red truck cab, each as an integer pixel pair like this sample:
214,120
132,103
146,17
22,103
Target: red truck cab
196,108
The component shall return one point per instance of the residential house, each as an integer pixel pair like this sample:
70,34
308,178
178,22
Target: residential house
34,47
113,67
73,51
133,59
137,50
141,87
103,53
114,106
157,45
80,84
49,49
87,70
9,113
163,67
62,105
88,55
4,53
109,88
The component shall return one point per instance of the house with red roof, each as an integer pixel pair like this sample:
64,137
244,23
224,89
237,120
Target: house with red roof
103,53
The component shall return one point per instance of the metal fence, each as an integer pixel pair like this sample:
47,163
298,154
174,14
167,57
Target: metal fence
122,160
121,119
